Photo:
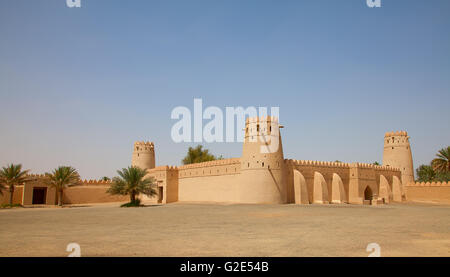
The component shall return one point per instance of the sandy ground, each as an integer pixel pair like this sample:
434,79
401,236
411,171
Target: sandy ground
183,229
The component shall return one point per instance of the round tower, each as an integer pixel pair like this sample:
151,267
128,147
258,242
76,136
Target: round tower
397,153
263,174
143,155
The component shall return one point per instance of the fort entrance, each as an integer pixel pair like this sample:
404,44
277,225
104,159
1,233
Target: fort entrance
368,194
39,195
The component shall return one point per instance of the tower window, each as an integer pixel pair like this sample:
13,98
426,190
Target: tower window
392,147
263,164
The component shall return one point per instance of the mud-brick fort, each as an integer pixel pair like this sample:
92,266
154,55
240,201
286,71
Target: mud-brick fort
261,175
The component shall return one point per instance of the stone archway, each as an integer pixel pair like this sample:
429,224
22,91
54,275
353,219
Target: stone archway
338,194
300,188
396,189
320,193
368,194
385,191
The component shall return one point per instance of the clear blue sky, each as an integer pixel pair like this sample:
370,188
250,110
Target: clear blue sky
79,86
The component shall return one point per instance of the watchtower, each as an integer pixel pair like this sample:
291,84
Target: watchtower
143,155
263,178
397,153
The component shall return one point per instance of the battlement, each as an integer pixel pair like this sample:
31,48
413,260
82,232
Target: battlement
378,167
82,182
93,182
397,133
212,163
36,176
163,168
141,145
428,184
261,119
317,163
340,164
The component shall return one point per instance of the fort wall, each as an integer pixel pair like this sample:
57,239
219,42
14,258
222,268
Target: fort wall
17,197
335,182
166,178
214,181
261,175
89,193
434,192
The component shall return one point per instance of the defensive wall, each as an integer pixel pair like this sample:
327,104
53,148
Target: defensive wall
88,191
434,192
334,182
266,177
260,175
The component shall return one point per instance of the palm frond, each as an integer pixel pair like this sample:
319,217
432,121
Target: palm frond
13,175
132,180
62,177
441,164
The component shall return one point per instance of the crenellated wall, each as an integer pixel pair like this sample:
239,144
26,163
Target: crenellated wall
436,192
166,185
214,181
262,175
17,197
88,191
334,182
212,168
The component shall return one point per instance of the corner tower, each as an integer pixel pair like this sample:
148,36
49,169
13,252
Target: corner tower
143,155
263,172
397,153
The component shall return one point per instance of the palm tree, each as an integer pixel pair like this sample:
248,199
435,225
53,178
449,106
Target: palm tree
131,181
442,163
11,176
105,178
2,187
60,178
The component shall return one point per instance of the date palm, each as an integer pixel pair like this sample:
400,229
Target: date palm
132,181
441,164
60,178
11,176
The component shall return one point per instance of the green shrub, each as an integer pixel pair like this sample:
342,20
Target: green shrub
135,203
8,206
